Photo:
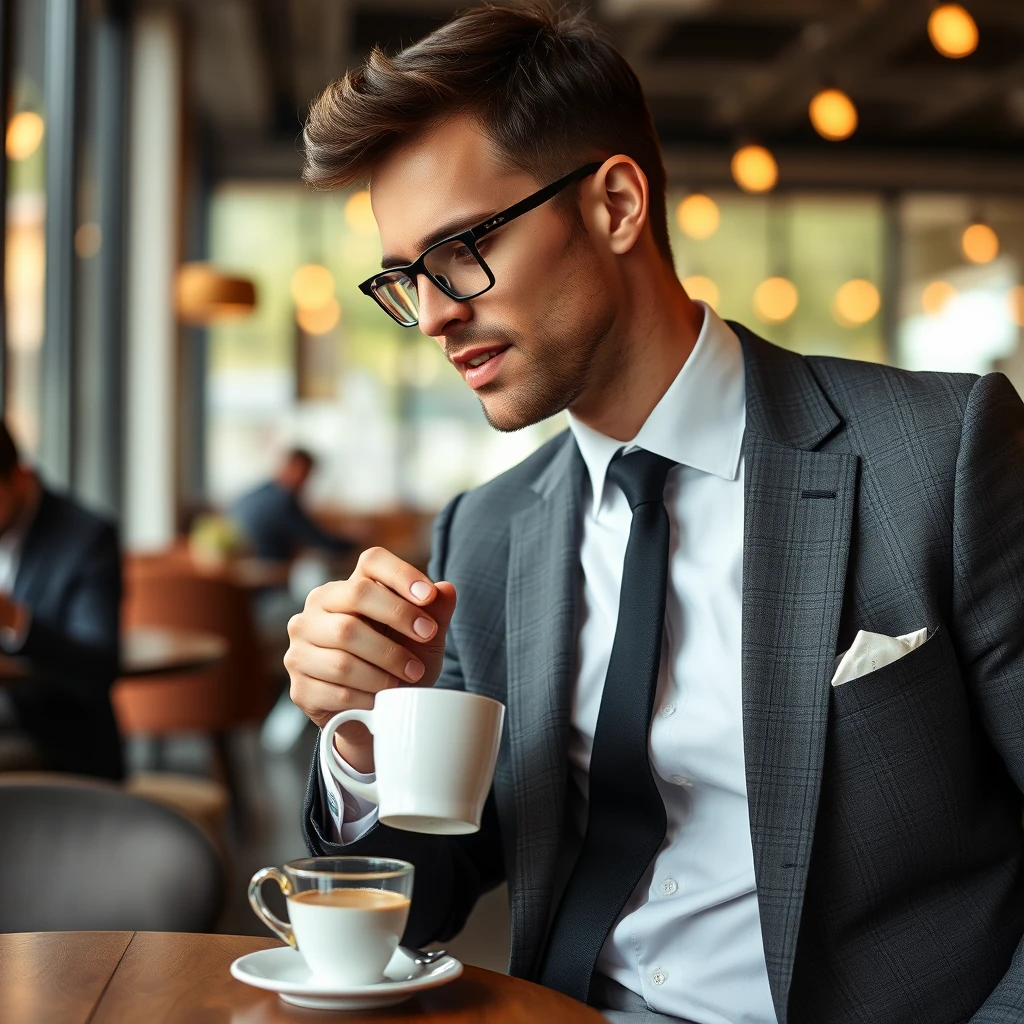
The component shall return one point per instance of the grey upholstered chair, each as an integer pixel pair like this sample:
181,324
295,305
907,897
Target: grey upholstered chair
78,855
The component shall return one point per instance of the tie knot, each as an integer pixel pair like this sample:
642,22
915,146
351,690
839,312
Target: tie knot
641,475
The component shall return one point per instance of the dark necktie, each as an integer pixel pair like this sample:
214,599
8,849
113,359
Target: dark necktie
626,815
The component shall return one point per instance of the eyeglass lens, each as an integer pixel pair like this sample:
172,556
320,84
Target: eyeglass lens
453,264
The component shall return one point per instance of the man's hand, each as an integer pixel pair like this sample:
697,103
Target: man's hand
384,626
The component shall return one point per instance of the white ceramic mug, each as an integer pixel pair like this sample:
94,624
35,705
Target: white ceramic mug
434,752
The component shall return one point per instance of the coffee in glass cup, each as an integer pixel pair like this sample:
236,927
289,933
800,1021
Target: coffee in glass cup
346,914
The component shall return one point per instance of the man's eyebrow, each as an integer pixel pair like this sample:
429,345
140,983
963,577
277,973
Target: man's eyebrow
453,227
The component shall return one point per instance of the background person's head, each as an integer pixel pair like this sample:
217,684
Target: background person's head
489,108
16,480
296,469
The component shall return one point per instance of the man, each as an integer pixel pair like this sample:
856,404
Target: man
693,823
273,520
60,609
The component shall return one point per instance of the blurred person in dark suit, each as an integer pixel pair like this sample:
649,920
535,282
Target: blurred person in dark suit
273,520
60,603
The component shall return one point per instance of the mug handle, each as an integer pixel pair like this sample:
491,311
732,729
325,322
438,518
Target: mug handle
367,790
281,928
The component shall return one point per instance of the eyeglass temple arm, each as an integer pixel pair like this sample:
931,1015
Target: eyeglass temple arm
530,202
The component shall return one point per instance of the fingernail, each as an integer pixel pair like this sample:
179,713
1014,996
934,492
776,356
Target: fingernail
420,590
424,628
414,671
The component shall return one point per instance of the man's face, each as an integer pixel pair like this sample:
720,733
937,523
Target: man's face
553,305
12,495
8,503
295,473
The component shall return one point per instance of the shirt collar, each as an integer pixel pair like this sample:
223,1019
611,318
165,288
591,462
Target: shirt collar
699,420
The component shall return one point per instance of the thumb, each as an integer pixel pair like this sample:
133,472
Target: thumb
441,610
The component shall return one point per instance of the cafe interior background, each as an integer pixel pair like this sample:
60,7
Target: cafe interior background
845,176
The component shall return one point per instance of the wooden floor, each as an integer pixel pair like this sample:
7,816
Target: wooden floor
274,788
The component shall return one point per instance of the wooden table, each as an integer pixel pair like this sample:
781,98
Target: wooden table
145,651
175,978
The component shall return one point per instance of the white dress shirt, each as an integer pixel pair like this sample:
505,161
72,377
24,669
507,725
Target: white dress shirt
689,939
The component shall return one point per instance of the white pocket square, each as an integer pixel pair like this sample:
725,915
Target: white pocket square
872,651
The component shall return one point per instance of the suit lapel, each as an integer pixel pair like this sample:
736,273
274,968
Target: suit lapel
541,609
33,563
798,510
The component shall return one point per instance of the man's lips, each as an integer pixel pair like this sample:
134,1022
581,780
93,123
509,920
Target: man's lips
477,376
462,360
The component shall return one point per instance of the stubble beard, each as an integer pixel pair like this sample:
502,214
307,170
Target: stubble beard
560,371
560,363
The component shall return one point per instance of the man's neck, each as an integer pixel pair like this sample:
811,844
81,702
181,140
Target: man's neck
642,361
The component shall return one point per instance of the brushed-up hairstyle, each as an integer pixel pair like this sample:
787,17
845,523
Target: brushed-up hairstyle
549,90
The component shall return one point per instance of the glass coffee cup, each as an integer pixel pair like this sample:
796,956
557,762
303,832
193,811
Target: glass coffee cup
346,914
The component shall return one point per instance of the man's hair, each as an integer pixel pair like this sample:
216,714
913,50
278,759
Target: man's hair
9,457
301,455
550,91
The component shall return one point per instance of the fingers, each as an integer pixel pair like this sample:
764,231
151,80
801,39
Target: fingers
322,701
373,600
404,579
331,647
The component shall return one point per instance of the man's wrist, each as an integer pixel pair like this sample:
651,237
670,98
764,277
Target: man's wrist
357,756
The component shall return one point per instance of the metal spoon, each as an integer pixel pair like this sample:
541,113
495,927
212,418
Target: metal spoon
419,956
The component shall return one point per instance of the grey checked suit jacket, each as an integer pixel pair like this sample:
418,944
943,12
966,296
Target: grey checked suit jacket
885,814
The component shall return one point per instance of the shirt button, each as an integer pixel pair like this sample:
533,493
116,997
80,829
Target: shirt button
668,709
658,976
682,780
669,887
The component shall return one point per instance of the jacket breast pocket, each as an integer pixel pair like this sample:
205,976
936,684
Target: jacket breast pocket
919,669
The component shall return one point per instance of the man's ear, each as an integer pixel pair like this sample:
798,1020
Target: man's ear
615,203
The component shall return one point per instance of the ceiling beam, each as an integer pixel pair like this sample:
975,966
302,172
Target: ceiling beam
886,171
852,45
969,94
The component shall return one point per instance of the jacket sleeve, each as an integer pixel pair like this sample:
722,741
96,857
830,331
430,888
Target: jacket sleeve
988,600
83,642
452,872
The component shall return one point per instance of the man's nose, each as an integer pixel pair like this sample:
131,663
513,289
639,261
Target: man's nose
437,309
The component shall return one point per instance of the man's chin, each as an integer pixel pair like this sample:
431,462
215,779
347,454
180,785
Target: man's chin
507,413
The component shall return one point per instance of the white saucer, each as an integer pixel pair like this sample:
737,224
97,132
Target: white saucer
282,970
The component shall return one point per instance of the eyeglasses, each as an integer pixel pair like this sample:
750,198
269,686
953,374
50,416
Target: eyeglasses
454,264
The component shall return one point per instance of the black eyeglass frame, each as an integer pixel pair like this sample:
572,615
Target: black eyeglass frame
469,238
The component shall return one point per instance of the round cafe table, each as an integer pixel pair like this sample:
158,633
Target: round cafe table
146,651
175,978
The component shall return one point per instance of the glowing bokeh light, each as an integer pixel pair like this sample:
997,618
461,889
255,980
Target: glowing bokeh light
312,286
936,296
319,320
698,216
754,169
952,31
833,115
24,133
701,288
776,299
856,302
980,244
